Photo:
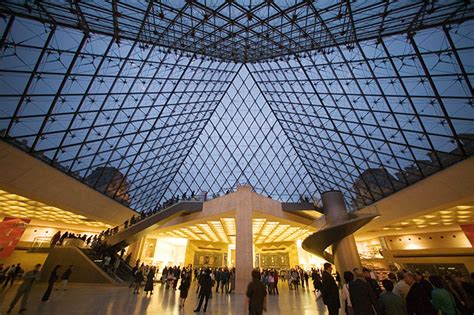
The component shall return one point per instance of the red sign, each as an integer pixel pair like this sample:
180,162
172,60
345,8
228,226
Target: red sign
11,230
468,230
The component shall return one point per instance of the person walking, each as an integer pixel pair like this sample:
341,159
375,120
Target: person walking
390,303
301,276
306,278
329,290
256,295
149,281
289,279
12,274
9,275
442,300
52,279
346,298
132,273
317,282
363,299
418,300
374,286
225,280
106,263
232,280
218,278
116,265
65,279
401,288
205,282
24,289
138,280
184,289
276,282
55,239
271,283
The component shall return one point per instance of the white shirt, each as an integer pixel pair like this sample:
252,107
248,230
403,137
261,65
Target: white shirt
345,294
401,289
107,260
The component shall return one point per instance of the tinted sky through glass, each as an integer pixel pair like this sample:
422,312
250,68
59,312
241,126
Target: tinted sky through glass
368,117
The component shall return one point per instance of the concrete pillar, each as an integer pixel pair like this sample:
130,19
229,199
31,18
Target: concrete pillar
243,239
346,256
136,249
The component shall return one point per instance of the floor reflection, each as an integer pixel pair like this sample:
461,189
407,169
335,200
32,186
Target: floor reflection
113,300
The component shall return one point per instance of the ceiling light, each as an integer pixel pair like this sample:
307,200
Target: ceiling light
445,212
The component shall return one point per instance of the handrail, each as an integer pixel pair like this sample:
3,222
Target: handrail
120,228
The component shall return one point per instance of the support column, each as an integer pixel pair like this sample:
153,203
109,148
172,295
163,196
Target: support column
346,256
136,249
243,239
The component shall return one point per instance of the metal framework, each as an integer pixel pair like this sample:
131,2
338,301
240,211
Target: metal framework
242,30
146,100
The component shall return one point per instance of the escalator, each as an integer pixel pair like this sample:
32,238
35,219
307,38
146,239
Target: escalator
133,233
88,262
124,271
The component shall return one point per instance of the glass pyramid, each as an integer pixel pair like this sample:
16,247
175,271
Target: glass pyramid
244,143
147,100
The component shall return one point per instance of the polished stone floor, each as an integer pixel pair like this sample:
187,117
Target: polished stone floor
101,299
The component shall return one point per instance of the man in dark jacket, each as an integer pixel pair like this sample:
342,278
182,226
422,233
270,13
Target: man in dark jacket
205,282
218,279
330,291
419,297
374,286
362,297
257,295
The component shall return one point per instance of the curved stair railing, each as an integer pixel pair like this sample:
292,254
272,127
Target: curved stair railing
328,234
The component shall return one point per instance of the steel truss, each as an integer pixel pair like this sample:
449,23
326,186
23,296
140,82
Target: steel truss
147,100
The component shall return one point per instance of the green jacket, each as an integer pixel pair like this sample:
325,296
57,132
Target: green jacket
443,301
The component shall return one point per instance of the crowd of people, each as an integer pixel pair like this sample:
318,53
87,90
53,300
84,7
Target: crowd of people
358,292
58,238
223,279
9,274
144,275
145,214
296,277
406,293
57,278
